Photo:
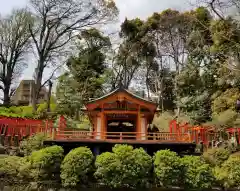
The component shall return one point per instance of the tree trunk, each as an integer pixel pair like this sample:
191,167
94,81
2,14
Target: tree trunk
148,90
37,85
49,96
176,87
6,98
125,75
34,101
147,82
162,104
77,115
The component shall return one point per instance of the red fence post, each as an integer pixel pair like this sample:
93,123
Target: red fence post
62,123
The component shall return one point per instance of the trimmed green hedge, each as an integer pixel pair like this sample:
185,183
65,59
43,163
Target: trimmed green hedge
196,173
228,174
32,143
25,111
10,168
45,163
123,167
167,168
216,156
76,166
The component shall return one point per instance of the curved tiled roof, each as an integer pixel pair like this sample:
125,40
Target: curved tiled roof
122,90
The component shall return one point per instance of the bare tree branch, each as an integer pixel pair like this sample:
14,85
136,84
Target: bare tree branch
51,76
211,3
57,23
14,46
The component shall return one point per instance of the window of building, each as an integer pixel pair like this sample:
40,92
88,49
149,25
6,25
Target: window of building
25,98
26,85
41,96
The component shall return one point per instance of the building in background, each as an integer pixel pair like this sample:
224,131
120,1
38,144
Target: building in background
22,95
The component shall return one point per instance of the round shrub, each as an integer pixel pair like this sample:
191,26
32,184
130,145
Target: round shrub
76,166
11,169
9,166
216,156
124,167
228,175
32,143
167,168
196,173
45,163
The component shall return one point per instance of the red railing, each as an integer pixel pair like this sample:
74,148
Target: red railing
13,130
121,136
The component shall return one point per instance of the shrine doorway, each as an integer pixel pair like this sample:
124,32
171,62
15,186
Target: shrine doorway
121,126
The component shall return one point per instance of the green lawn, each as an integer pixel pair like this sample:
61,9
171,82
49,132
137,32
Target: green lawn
236,154
3,156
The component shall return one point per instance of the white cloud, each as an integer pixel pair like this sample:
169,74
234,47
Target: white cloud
145,8
128,8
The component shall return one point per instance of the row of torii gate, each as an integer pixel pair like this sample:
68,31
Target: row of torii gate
205,134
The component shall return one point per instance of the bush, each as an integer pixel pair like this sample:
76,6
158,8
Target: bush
32,143
45,163
196,173
161,121
76,166
11,169
43,107
216,156
167,168
124,167
228,175
226,100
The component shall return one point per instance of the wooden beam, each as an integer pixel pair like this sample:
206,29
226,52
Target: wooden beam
120,112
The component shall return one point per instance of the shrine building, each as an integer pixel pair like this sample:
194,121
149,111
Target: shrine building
121,117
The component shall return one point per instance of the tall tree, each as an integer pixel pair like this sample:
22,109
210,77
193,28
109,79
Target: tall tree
85,75
133,52
14,46
196,81
169,31
225,31
56,24
89,65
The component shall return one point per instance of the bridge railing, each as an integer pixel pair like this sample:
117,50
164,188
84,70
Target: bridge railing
122,136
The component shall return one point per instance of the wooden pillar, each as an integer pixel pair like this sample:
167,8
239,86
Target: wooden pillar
170,127
138,135
146,128
98,127
197,137
143,127
103,126
95,126
138,130
54,134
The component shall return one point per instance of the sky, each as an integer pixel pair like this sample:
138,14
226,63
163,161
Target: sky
128,9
